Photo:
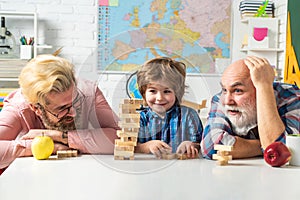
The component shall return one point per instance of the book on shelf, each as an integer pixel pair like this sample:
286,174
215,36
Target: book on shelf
250,8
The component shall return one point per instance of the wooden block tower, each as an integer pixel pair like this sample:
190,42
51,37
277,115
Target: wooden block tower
223,154
130,124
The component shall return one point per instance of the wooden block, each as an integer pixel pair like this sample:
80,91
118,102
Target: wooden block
118,142
132,101
181,156
126,134
127,110
169,156
124,139
123,158
223,153
119,157
129,125
222,162
131,120
130,129
128,139
217,157
133,139
123,153
124,148
129,106
66,153
223,147
129,116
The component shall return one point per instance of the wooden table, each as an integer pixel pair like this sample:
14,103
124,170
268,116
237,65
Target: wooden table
101,177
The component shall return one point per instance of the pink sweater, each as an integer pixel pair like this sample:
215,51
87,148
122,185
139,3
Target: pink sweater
97,133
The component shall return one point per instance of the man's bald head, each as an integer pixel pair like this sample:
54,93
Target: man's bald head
237,69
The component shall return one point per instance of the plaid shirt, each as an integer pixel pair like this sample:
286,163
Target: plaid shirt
218,127
180,124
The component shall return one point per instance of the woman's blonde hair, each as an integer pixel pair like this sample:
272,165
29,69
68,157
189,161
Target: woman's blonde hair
45,74
166,70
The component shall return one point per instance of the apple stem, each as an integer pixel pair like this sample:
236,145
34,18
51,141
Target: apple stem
43,133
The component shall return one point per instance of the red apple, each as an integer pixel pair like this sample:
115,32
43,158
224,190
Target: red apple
277,154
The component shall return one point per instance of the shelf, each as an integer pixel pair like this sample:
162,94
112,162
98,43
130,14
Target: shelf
9,79
44,46
13,13
262,49
246,20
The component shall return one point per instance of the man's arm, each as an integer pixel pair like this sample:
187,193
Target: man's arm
270,125
245,148
10,150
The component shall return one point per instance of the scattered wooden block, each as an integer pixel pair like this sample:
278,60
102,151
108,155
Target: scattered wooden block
66,153
181,156
223,147
170,156
223,154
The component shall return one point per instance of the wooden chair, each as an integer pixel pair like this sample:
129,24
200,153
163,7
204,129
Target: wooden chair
194,105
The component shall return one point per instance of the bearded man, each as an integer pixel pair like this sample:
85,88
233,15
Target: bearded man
251,111
53,102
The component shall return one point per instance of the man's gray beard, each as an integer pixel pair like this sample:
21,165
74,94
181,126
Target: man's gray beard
60,125
246,121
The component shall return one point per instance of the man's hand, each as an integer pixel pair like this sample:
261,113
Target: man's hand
54,134
189,147
59,146
261,71
155,147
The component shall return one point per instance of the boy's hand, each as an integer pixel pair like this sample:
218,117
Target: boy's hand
189,147
155,147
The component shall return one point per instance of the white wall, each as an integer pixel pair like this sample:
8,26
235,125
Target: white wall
63,23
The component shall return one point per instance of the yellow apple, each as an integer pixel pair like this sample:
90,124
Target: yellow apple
42,147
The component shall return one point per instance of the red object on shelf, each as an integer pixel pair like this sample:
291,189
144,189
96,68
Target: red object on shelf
260,33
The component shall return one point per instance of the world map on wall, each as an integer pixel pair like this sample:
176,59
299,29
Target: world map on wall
195,32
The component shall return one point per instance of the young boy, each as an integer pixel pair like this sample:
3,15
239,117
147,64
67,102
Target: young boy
165,125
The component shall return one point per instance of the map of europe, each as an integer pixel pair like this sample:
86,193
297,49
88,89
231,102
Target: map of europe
195,32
